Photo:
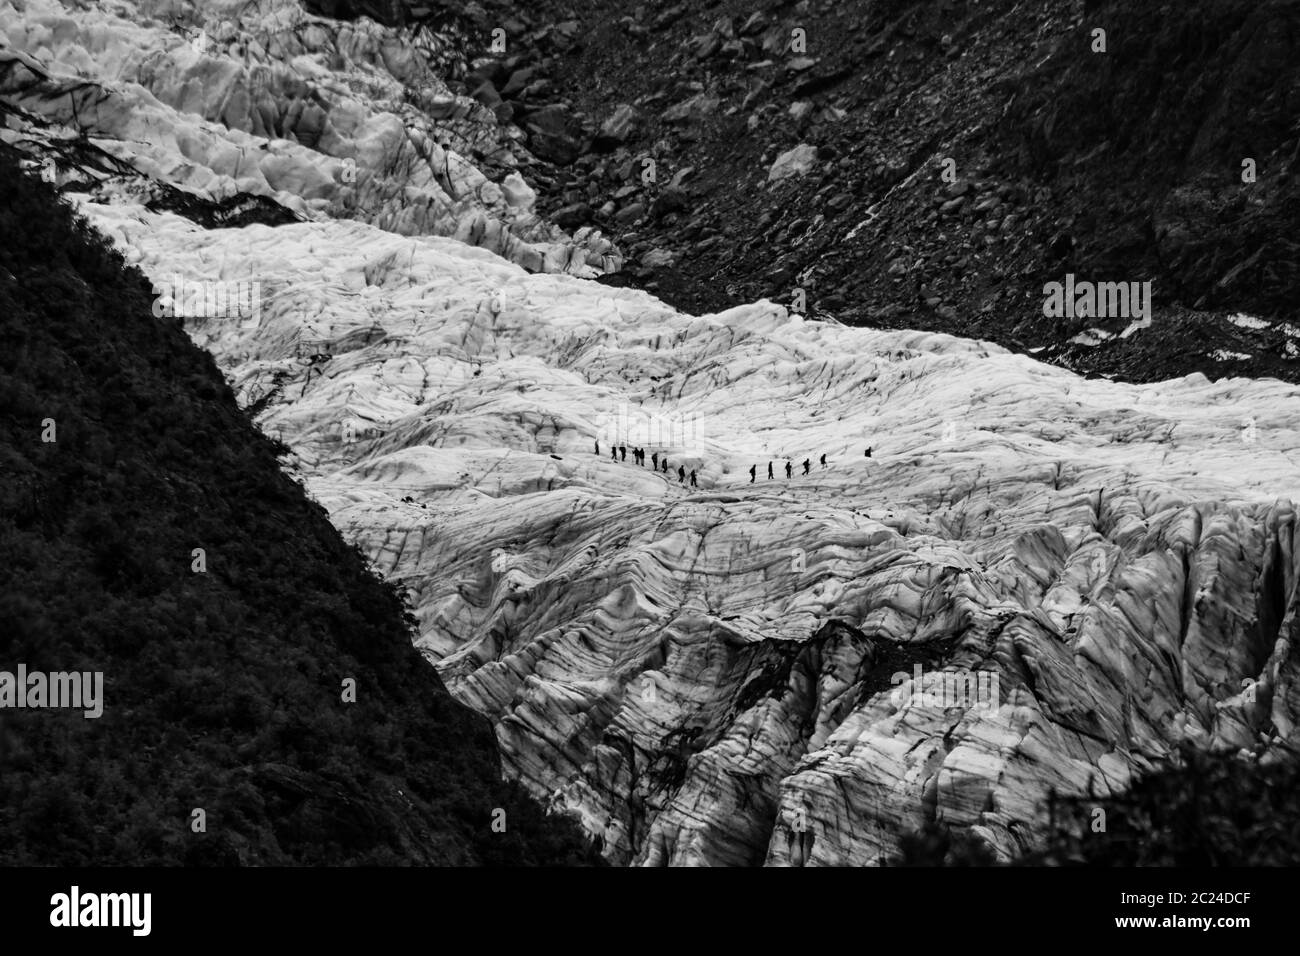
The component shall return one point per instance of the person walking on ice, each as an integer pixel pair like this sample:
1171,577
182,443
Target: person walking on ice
654,460
597,446
823,461
693,484
806,465
752,470
769,471
623,449
788,470
613,453
681,474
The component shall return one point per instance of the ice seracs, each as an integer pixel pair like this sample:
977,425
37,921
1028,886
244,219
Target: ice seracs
327,119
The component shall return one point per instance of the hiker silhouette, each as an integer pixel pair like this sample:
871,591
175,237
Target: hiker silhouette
752,470
823,461
806,465
788,470
623,449
693,484
654,460
598,446
868,451
769,471
681,473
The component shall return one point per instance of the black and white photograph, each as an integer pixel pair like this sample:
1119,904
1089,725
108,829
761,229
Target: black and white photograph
450,438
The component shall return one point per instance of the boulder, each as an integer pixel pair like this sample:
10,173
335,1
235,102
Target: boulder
616,129
553,134
793,162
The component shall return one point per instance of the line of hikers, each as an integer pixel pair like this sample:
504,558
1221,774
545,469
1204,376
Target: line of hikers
789,468
658,464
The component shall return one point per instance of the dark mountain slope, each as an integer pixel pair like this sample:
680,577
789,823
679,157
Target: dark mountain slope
222,690
1122,165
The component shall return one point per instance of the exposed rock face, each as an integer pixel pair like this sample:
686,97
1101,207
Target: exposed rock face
327,119
1170,157
708,675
